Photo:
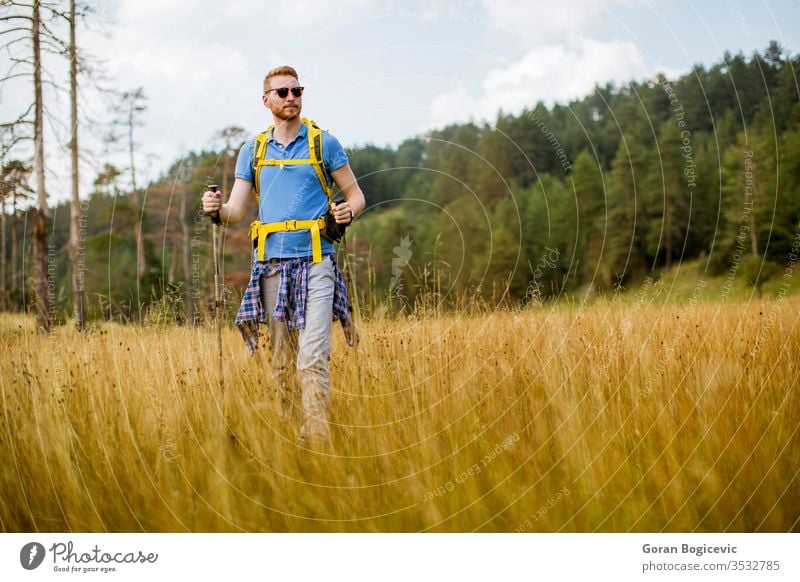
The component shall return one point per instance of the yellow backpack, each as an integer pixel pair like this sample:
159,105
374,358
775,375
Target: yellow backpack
260,230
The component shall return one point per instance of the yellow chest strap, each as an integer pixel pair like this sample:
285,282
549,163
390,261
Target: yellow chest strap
314,135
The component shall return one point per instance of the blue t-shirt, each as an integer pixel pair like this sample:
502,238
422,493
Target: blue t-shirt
291,192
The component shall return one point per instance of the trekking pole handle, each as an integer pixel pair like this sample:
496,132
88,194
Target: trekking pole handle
215,217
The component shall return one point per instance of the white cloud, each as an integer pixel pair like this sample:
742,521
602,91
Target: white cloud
554,73
200,62
566,64
547,19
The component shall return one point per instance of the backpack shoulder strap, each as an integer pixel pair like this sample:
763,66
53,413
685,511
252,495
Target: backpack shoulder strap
315,153
316,159
259,151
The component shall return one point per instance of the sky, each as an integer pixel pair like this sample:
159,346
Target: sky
378,71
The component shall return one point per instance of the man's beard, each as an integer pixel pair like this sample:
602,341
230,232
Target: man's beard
287,114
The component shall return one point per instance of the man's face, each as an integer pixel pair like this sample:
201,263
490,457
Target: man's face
284,108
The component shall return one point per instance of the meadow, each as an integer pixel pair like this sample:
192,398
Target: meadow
642,416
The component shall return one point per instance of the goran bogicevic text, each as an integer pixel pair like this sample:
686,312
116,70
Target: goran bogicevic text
687,549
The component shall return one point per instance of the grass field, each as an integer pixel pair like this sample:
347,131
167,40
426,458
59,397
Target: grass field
636,417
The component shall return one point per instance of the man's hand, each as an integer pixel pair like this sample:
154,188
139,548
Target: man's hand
212,202
342,212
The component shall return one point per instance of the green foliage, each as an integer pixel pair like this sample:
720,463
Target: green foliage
615,185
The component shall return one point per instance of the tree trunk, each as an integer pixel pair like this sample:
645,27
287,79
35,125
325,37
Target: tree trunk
75,244
42,224
753,237
230,135
173,262
186,251
668,243
3,262
14,275
137,214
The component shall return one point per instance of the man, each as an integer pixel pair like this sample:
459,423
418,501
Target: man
295,283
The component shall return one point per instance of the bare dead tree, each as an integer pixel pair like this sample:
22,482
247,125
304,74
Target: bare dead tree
14,185
231,138
133,104
27,27
128,109
3,248
16,176
76,254
14,241
183,238
42,221
186,244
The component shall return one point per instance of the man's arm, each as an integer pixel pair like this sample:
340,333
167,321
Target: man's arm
234,209
353,196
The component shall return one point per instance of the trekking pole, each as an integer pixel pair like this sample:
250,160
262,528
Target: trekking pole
348,281
216,220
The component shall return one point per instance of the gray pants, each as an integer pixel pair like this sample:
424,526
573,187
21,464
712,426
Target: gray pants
311,350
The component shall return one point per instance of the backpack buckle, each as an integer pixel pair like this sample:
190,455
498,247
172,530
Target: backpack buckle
291,225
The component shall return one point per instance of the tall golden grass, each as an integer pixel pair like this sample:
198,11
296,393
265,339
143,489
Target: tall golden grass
603,418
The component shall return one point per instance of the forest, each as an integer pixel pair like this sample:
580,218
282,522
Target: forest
579,199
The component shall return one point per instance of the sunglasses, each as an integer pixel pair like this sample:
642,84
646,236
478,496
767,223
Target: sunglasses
283,92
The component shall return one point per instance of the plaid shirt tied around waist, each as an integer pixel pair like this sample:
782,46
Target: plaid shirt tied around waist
292,293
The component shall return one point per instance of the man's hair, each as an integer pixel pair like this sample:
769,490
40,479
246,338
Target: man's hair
282,70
